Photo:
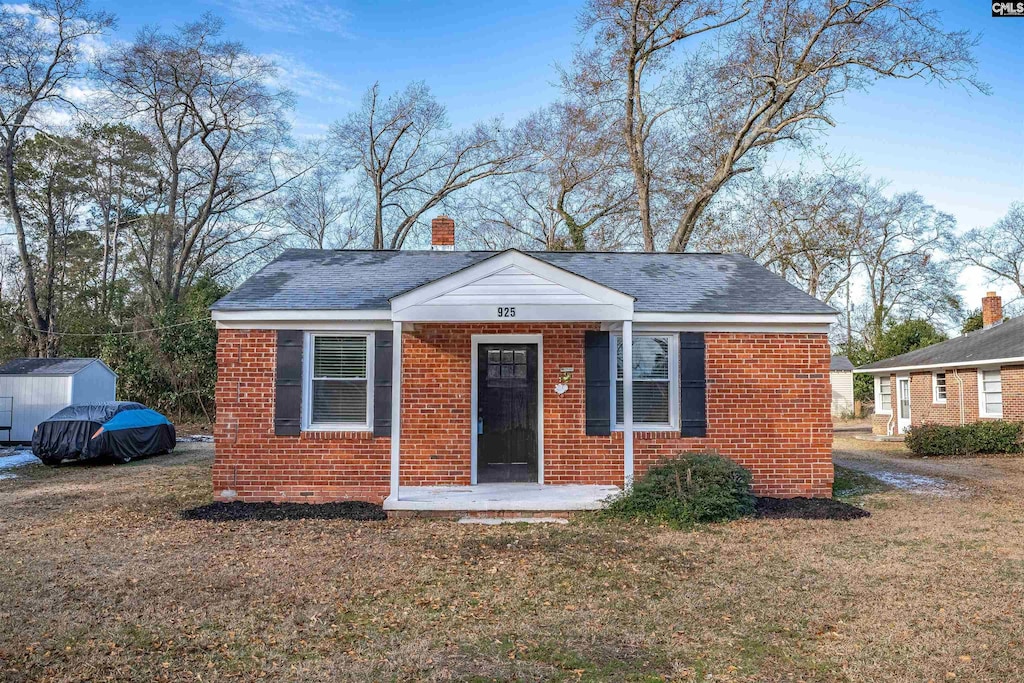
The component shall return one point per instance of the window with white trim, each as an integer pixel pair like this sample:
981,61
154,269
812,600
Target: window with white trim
990,393
655,382
337,376
884,393
938,387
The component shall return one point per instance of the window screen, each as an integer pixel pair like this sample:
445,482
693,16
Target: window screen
652,381
339,378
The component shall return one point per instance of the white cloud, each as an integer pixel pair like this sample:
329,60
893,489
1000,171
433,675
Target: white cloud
290,16
306,82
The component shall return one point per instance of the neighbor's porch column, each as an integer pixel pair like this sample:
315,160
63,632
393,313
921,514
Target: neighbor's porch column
627,400
396,407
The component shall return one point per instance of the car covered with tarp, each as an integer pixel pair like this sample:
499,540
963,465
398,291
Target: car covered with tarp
121,430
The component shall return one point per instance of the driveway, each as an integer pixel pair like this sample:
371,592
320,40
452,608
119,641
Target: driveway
892,464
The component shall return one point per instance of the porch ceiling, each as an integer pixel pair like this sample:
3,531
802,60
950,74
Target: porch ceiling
502,497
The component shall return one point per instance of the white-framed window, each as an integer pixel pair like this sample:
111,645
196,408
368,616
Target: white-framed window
655,382
938,387
883,395
337,381
990,393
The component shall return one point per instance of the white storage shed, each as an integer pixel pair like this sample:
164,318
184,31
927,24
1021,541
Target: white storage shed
33,389
841,374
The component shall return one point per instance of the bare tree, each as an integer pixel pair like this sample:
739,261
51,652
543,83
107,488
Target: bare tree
575,193
632,44
807,227
218,129
998,249
410,160
783,69
317,208
905,276
41,49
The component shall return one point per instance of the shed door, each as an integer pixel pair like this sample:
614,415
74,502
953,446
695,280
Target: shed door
507,419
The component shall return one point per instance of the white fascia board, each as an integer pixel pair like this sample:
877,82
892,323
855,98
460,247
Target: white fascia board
298,314
311,326
733,322
302,320
762,318
777,328
983,363
425,293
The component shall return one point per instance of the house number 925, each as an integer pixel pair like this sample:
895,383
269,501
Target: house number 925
506,311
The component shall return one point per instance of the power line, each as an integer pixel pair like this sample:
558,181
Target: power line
104,334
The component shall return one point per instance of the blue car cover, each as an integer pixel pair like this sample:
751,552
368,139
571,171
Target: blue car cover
122,430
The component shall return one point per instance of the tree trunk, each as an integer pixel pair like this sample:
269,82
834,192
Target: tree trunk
31,298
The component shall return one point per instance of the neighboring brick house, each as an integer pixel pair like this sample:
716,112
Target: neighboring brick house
978,376
446,380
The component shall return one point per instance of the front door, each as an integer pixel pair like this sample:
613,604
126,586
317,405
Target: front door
902,404
507,413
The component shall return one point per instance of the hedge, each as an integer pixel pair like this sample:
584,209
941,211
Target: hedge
994,436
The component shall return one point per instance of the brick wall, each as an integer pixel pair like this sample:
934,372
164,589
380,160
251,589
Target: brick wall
250,459
768,408
924,410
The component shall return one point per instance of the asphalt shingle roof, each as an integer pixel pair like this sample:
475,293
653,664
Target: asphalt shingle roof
312,279
44,366
841,364
1005,340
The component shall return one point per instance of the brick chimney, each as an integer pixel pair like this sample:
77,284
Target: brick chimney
991,309
442,234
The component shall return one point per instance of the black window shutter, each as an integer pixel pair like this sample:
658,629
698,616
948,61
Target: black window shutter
692,385
383,351
598,389
288,384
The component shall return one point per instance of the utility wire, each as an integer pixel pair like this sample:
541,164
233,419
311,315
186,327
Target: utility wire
104,334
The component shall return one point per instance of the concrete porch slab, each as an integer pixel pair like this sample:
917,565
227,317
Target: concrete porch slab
494,521
501,497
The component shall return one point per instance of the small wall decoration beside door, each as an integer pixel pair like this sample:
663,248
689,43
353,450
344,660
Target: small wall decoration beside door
563,381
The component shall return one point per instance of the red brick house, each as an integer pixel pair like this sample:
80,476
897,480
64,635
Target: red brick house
448,379
978,376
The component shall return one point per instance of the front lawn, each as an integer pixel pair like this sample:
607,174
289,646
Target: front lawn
100,579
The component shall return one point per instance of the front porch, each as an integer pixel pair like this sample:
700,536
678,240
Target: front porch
501,498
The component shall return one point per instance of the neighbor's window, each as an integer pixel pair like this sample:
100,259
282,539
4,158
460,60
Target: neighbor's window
939,387
990,392
338,387
654,381
884,395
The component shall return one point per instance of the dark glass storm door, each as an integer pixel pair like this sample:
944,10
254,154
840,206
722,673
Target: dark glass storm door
506,448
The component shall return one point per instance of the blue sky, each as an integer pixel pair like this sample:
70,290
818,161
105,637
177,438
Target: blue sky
963,151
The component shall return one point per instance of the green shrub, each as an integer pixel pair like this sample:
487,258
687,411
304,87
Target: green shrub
693,488
994,436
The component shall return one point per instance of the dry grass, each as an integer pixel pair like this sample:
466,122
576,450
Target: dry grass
100,580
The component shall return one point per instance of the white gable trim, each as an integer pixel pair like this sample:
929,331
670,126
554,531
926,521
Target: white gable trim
512,287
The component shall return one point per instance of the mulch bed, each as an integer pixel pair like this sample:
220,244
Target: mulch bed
275,512
808,508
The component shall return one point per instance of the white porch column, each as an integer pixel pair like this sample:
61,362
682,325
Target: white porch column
627,400
396,407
